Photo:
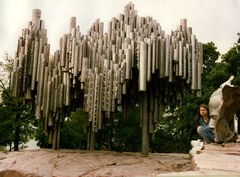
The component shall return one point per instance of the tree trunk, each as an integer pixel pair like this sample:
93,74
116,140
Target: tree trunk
145,134
10,147
91,139
16,134
88,137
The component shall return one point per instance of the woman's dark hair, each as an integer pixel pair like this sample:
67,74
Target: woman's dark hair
199,115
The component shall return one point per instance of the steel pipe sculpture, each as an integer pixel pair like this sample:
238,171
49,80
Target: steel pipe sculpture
100,71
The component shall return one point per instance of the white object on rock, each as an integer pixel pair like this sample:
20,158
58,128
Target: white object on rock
197,145
216,99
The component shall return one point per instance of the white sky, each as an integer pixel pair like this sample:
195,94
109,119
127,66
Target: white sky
211,20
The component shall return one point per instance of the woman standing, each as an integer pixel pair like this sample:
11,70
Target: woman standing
202,121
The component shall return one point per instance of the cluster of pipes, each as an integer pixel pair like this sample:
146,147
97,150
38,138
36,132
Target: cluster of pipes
134,63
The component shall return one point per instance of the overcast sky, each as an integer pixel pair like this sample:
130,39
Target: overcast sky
211,20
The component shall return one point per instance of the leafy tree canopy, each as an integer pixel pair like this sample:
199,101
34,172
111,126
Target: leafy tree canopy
17,119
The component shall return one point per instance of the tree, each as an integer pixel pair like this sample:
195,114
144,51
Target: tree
127,133
177,127
210,57
211,71
6,67
121,133
232,62
73,131
214,71
16,118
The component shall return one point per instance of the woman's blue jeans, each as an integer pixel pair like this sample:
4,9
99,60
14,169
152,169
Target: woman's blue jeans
206,133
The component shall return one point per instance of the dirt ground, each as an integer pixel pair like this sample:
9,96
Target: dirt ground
76,163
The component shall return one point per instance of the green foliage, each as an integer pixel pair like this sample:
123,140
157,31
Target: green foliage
41,136
127,133
232,60
6,128
2,148
214,71
213,80
177,127
104,136
16,120
73,131
210,56
16,117
121,134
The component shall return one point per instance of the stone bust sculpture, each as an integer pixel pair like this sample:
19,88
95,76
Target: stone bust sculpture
223,105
